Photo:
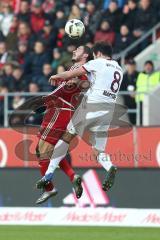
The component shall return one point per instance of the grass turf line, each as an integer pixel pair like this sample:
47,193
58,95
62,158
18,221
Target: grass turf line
77,233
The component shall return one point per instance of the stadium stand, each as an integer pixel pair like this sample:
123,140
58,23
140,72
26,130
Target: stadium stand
33,44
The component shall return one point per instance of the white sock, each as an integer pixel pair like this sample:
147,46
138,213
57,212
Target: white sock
104,160
60,151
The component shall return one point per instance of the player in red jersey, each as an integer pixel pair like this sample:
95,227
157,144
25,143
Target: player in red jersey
60,106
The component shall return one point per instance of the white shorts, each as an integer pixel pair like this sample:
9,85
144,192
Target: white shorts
94,118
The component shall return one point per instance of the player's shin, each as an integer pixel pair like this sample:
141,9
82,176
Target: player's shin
67,169
74,178
104,160
60,151
43,166
99,141
48,189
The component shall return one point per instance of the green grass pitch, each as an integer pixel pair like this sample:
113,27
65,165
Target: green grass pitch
77,233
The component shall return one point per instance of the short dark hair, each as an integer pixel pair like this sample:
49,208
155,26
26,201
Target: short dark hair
134,1
89,51
103,47
149,62
131,62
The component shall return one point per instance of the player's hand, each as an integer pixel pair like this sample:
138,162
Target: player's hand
55,80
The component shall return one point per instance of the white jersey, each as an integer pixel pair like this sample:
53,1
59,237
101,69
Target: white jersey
105,77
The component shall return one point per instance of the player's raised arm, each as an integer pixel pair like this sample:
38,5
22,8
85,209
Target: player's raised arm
67,75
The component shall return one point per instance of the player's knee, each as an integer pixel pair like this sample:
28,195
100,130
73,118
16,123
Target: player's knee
44,150
67,137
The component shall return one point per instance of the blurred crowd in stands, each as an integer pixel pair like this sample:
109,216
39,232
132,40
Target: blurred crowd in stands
33,44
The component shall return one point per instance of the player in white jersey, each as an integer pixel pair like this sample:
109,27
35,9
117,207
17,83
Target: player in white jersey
95,112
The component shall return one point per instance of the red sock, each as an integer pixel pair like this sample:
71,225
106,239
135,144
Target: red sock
66,167
43,164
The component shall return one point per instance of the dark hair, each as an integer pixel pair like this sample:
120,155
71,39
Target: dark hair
131,62
149,62
134,1
102,47
89,51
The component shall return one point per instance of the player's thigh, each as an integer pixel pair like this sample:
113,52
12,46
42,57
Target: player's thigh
56,127
76,124
97,125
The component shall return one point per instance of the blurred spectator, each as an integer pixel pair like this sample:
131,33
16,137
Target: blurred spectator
5,56
17,102
34,118
105,33
60,69
36,60
120,3
75,12
47,35
156,5
145,18
114,15
91,18
22,53
37,18
15,5
64,5
60,20
146,82
2,38
42,81
129,84
7,77
19,81
129,13
89,44
24,11
66,59
6,17
33,88
12,38
56,59
123,40
24,34
3,90
36,39
48,6
60,38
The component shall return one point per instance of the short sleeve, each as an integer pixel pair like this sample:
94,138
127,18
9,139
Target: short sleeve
89,66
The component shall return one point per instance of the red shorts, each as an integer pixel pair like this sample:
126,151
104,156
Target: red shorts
54,124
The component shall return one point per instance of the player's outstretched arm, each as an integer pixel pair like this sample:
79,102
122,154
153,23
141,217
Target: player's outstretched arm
67,75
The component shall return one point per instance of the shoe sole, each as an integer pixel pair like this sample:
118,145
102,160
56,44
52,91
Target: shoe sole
45,199
108,183
79,186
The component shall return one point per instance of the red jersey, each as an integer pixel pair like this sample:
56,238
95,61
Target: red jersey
61,104
67,96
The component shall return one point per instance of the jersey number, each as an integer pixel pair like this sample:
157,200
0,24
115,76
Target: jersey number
116,82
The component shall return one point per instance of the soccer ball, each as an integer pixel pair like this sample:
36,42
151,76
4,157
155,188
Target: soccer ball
74,28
